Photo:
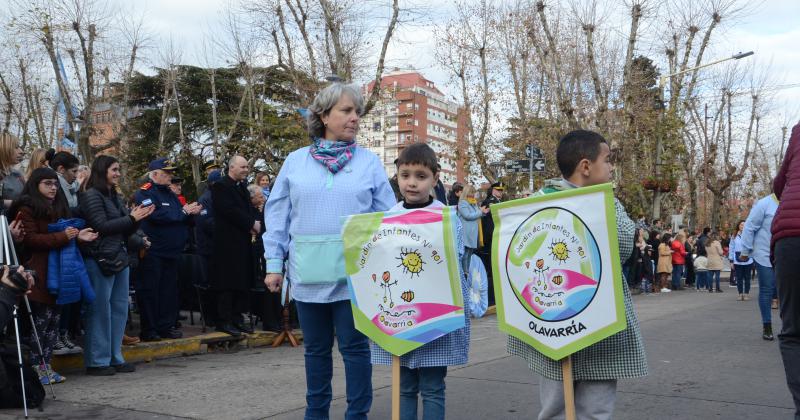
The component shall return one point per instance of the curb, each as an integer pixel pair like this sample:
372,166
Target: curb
165,349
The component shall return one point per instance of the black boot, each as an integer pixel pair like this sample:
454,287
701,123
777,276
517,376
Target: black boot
767,335
229,329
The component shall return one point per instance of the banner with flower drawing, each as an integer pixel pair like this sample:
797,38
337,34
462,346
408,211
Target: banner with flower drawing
403,276
556,269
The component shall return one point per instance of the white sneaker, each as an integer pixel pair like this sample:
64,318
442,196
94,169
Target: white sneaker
665,290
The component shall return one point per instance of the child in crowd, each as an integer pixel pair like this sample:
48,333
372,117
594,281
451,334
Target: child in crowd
701,273
423,370
584,160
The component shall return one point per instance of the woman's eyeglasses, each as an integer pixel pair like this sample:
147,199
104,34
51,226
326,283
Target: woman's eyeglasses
50,184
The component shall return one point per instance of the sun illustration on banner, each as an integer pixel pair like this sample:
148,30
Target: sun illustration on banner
559,251
553,264
411,261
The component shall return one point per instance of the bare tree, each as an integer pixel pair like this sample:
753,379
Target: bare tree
465,48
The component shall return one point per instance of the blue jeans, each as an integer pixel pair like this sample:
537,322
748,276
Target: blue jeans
703,281
105,318
766,289
465,259
743,278
425,381
320,321
677,273
713,278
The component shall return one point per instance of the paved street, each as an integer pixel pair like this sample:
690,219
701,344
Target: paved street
707,361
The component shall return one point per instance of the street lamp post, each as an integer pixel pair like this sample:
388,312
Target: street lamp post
661,82
76,124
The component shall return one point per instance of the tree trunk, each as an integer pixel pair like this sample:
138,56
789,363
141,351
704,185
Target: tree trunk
373,96
164,112
9,109
215,128
87,48
300,16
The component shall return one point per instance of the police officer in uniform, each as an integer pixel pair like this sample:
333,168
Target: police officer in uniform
487,226
209,167
167,229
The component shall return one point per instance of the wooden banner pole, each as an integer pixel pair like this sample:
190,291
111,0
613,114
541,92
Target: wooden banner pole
569,388
395,387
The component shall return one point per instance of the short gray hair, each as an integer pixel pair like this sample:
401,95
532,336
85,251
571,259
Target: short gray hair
325,101
254,189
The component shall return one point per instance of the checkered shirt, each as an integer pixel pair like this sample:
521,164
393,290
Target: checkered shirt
448,350
617,357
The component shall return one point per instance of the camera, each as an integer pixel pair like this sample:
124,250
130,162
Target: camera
17,278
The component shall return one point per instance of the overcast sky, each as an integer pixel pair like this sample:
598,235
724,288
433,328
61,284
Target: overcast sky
772,31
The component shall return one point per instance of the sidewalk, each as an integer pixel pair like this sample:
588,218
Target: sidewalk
707,361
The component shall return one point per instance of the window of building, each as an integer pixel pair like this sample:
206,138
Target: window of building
376,126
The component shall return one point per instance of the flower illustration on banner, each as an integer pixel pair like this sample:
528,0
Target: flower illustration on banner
411,261
553,264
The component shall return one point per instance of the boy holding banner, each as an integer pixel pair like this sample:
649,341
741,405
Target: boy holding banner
583,159
423,370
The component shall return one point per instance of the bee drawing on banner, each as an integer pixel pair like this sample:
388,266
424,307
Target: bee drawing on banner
411,261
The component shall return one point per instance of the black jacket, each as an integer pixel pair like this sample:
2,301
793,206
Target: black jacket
233,218
487,223
204,225
7,300
106,214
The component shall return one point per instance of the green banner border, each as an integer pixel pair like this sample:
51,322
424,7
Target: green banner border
616,270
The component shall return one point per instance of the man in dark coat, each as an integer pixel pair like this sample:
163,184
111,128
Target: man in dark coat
204,235
487,227
235,224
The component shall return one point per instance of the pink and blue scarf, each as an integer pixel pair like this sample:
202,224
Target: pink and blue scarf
333,154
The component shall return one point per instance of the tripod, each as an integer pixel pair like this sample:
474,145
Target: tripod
286,333
8,256
19,358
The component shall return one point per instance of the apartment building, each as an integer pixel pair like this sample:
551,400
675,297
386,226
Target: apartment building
411,109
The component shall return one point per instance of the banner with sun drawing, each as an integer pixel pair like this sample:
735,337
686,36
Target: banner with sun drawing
556,266
403,276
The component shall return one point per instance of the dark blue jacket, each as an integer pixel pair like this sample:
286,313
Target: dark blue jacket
167,228
204,225
66,274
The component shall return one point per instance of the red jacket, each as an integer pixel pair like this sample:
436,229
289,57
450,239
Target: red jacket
786,187
679,256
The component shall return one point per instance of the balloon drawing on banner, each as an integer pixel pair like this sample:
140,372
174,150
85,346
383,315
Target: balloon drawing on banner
479,286
555,273
403,277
